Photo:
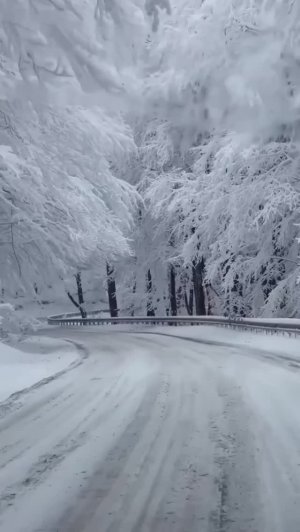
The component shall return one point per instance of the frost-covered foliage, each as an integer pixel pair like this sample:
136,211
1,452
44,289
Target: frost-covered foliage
232,65
14,325
62,207
220,148
83,46
158,155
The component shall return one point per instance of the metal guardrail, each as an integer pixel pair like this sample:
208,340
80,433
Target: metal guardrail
76,315
241,323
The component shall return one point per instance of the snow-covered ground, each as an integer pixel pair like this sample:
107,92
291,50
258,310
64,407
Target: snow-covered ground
43,309
256,342
31,361
198,433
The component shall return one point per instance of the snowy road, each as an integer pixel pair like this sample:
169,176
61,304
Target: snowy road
155,433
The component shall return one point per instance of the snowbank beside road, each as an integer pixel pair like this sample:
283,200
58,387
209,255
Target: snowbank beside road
35,359
261,341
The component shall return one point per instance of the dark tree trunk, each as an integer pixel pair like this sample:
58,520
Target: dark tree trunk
179,296
79,288
150,309
80,307
237,288
198,270
133,291
112,292
172,290
189,302
80,303
209,300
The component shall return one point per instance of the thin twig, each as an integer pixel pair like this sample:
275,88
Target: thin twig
286,260
14,250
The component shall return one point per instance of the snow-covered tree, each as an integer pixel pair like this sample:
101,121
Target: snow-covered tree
67,208
222,149
80,46
62,206
168,158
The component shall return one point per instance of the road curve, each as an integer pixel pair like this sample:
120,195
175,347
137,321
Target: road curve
153,433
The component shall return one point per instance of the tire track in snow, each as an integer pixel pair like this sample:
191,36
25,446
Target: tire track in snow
74,437
237,481
13,402
107,476
178,453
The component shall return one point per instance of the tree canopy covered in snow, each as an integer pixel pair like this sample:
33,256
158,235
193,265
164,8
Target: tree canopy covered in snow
155,141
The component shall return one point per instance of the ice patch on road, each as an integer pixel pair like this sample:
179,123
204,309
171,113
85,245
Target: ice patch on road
31,361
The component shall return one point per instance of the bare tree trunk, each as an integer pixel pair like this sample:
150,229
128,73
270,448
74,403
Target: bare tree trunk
150,309
80,303
172,291
179,296
79,288
133,291
112,292
198,269
189,302
209,300
80,308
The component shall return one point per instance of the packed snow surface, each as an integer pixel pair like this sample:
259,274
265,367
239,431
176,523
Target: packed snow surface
32,360
172,429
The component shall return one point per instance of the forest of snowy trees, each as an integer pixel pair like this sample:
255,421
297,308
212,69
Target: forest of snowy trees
152,147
